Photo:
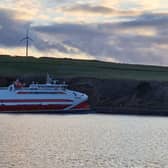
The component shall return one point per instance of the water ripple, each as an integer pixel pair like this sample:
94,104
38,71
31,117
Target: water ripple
47,141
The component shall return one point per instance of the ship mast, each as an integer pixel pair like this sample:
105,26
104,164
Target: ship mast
48,79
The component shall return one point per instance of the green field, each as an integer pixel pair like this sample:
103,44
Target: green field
30,66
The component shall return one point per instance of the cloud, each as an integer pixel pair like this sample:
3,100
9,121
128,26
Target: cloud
136,4
155,5
142,40
98,10
139,31
25,10
13,30
130,42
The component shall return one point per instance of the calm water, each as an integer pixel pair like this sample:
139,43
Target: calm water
89,141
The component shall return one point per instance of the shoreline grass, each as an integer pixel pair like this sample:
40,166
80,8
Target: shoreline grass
31,66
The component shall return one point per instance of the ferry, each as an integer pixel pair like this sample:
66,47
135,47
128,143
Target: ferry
48,97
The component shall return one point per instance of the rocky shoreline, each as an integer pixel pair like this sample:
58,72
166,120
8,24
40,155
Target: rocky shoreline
125,96
115,96
132,111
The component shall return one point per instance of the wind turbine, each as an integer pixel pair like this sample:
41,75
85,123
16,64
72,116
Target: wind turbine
27,38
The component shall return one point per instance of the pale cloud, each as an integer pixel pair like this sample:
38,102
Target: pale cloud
154,5
142,5
86,9
12,51
110,3
148,5
20,51
25,10
107,10
162,46
109,59
89,13
74,56
139,31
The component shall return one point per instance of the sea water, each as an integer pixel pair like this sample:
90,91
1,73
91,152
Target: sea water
87,141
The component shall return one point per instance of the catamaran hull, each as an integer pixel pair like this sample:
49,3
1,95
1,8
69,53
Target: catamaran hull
16,102
84,106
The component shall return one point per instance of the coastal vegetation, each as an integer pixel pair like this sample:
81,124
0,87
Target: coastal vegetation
12,66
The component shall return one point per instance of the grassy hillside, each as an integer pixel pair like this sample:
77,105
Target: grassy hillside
23,66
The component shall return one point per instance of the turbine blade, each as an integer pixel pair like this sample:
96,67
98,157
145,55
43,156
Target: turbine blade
30,38
23,39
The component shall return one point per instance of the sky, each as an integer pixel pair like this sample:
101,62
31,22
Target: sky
123,31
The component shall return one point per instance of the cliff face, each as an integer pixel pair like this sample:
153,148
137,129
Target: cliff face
123,93
116,93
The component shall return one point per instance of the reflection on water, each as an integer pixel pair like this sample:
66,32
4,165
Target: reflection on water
48,141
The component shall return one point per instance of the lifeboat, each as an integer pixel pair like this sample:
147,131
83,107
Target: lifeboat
48,97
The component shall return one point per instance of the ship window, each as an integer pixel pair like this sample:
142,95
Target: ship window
22,92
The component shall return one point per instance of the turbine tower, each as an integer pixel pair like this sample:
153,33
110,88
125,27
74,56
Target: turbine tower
27,38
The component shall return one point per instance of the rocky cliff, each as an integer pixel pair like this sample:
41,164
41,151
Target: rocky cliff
124,96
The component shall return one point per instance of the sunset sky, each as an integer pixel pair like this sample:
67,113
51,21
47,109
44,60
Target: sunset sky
125,31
